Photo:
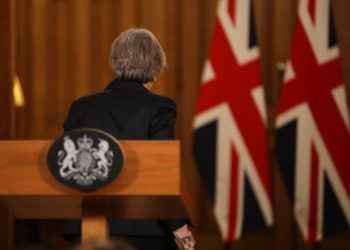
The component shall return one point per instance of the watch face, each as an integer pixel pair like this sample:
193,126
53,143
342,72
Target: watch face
85,159
186,243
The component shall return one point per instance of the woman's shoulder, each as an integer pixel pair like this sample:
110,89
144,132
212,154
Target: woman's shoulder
149,99
163,101
90,99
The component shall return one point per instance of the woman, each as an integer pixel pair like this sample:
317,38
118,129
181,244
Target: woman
128,110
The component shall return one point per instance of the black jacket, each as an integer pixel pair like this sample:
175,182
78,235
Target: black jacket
126,110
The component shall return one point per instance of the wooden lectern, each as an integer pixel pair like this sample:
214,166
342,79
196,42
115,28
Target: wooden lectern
148,186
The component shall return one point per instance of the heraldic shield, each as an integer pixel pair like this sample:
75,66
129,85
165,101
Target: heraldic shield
85,159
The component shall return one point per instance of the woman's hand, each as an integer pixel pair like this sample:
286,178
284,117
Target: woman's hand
184,238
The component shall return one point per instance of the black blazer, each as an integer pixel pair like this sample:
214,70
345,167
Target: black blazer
126,110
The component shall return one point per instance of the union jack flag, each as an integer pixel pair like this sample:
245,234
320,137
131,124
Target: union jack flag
230,139
313,142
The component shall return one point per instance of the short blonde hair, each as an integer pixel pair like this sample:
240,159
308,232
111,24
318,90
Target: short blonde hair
137,55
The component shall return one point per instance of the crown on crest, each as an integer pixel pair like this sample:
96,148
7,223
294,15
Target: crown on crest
85,142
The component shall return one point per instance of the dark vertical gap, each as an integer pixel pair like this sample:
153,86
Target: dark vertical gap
47,48
178,57
50,114
332,36
30,39
180,84
56,43
71,58
252,26
5,81
91,47
75,7
25,70
22,59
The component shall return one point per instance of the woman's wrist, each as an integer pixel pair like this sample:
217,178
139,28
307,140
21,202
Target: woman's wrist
181,232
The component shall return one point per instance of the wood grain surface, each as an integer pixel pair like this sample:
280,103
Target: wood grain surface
150,168
147,187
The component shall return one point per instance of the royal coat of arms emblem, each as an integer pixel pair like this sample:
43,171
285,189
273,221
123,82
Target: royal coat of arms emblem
85,159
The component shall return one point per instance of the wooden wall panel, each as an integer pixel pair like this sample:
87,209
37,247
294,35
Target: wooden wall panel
171,42
5,70
7,54
38,94
188,87
100,43
22,59
64,82
128,13
83,43
108,31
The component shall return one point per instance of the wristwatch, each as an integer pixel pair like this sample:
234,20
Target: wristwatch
186,243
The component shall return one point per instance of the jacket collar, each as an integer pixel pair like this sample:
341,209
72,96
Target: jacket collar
126,84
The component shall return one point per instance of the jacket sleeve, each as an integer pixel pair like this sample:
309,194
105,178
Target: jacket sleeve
72,119
162,124
163,128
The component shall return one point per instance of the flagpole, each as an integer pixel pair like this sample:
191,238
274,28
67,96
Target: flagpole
281,68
